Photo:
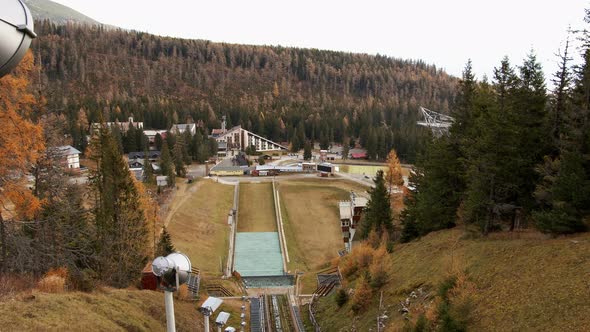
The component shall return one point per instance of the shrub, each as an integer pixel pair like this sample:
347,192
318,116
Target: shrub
446,286
54,281
378,267
83,280
389,247
421,324
362,296
363,255
341,297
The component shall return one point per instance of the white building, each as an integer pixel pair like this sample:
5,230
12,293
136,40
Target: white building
350,217
239,138
151,136
182,127
123,126
69,156
162,180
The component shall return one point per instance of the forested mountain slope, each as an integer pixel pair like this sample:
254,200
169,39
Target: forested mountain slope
279,92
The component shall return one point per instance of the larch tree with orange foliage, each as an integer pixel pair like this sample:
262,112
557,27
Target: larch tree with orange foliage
393,177
20,146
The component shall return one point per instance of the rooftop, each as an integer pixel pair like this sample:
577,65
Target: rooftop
344,207
360,201
66,150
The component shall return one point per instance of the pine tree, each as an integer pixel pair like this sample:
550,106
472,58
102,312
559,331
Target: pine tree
130,139
166,164
491,157
295,143
324,142
437,191
345,147
148,170
378,214
564,191
119,219
158,142
187,138
165,246
307,150
530,118
372,145
178,157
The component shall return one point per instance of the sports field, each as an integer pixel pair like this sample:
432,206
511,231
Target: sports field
256,211
198,226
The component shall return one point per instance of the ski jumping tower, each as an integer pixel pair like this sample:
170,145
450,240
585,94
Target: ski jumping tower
437,122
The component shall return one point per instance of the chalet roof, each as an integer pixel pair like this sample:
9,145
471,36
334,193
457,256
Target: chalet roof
217,132
154,132
360,201
359,155
66,150
345,211
140,155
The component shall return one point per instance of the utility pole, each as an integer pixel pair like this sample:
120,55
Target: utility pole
379,312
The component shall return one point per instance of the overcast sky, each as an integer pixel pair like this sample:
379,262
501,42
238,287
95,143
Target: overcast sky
442,32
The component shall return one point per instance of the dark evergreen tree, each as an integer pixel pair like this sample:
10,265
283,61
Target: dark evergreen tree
166,163
119,218
187,138
438,189
165,246
491,156
148,170
371,145
307,150
564,192
345,147
158,142
179,148
130,139
377,215
324,141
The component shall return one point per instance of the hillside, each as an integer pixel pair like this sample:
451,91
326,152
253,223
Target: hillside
278,92
514,284
57,13
105,310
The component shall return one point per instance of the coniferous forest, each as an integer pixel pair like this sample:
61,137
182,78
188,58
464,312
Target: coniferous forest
516,156
286,94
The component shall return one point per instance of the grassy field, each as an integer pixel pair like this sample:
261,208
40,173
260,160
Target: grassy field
520,284
311,220
369,170
198,223
256,212
104,310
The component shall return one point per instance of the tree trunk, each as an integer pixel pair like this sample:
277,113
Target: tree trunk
3,243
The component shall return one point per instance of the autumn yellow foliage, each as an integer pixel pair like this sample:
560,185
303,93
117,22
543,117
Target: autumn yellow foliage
21,143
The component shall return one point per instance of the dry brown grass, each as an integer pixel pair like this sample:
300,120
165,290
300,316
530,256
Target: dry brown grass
198,225
256,211
11,285
311,220
104,310
512,284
